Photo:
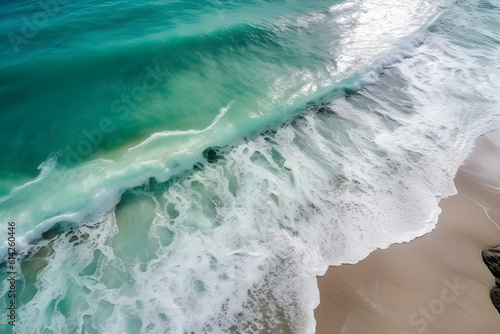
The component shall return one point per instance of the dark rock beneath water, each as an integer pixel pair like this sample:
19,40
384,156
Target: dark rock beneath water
212,154
198,166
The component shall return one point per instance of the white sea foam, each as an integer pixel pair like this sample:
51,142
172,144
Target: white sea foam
164,134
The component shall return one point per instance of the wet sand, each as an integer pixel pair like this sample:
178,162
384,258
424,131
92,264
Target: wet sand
435,284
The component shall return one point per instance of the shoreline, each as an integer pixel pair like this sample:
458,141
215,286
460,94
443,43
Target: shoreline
437,283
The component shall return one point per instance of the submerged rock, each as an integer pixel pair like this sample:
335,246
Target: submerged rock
212,154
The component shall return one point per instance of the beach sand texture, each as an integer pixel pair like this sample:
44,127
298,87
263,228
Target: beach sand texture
435,284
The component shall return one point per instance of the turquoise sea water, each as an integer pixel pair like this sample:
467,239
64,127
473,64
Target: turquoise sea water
191,166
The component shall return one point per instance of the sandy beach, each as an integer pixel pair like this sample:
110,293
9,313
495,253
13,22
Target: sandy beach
435,284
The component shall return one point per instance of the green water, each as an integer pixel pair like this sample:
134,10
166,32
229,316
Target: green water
112,80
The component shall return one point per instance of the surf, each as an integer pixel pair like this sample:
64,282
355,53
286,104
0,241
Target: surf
224,226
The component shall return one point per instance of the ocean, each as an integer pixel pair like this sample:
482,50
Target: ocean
180,166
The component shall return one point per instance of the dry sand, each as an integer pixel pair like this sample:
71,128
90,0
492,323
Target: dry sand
435,284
